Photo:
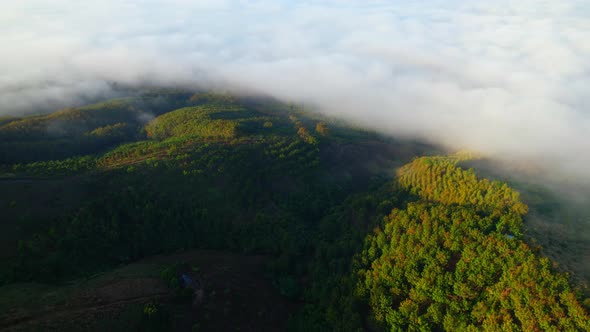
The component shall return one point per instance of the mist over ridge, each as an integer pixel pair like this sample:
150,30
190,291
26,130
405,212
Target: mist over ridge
507,79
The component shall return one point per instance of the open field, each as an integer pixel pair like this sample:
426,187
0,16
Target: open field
234,286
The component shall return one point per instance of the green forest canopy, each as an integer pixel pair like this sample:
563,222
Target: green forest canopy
454,260
444,251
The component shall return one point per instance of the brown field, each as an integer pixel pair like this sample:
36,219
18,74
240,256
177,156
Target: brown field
237,297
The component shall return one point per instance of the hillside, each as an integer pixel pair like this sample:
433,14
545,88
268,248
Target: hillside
456,260
271,211
82,130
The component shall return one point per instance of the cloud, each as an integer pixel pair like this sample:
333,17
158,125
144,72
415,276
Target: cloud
509,78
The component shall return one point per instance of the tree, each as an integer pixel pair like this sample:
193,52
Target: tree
321,128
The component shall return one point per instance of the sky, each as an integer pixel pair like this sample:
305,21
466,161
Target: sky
510,79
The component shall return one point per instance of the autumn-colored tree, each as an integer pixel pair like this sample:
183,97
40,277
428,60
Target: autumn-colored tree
321,128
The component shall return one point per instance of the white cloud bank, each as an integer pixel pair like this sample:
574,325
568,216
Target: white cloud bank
509,78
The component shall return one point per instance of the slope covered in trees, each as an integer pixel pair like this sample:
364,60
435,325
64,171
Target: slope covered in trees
350,242
82,130
195,122
454,260
438,179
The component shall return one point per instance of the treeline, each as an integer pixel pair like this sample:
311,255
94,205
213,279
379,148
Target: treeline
159,115
68,166
83,130
194,122
439,179
71,122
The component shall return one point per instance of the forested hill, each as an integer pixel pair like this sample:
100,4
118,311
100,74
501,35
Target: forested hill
357,231
455,260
